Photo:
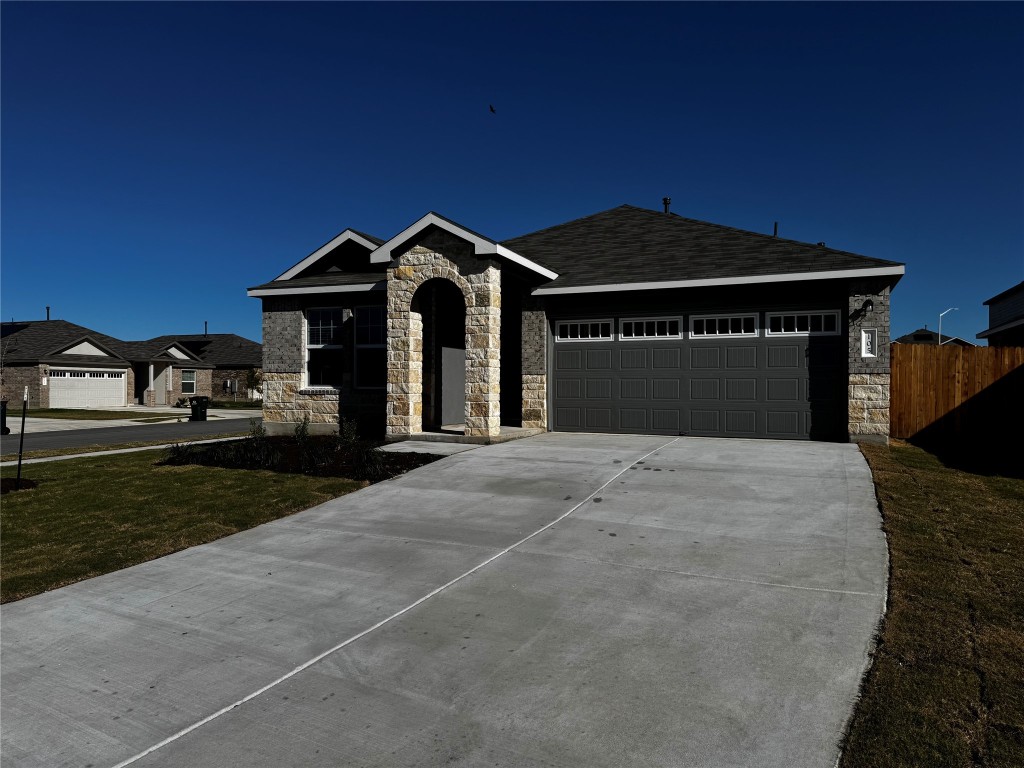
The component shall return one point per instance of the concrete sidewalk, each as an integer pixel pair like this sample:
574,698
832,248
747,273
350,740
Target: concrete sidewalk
581,600
133,418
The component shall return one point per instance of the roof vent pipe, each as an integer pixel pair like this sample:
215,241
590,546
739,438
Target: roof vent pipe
47,312
775,232
666,201
206,328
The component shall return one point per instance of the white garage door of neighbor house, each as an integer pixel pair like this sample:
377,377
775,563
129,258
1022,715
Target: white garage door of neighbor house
87,389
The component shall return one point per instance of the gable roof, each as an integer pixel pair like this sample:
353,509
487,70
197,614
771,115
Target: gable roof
482,246
926,336
624,248
369,242
36,340
223,350
642,248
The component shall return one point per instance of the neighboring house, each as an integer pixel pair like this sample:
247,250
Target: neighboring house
1006,318
69,366
234,359
629,320
924,336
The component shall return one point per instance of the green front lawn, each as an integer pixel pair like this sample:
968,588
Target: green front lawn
94,515
71,413
946,687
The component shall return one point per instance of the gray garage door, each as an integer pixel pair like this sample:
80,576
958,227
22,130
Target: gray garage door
748,384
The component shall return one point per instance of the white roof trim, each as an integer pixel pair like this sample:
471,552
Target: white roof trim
285,290
999,328
746,280
481,245
522,261
324,249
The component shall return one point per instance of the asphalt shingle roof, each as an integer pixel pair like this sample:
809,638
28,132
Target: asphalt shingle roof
326,278
37,339
637,245
223,350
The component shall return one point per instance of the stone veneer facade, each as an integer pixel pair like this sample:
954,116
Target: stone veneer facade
869,378
535,379
442,256
285,401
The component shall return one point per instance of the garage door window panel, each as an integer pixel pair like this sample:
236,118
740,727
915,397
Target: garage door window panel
583,330
717,326
823,323
633,329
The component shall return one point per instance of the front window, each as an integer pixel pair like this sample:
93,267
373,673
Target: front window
188,382
371,347
324,361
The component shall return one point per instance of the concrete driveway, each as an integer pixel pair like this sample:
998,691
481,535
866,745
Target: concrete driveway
571,600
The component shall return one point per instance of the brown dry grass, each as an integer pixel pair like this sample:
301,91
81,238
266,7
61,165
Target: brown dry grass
947,684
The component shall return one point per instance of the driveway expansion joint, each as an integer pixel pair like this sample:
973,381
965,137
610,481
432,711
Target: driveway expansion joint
358,636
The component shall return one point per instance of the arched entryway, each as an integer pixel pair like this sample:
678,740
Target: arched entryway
442,310
478,282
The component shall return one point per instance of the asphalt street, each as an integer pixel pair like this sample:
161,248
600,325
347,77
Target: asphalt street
80,438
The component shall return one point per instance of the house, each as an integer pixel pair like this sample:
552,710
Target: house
235,361
1006,318
924,336
65,365
629,320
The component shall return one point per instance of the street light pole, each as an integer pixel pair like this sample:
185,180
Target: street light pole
951,309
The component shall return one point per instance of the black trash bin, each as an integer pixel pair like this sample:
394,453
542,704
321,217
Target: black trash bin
199,405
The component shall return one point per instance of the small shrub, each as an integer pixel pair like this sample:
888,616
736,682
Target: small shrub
348,432
323,456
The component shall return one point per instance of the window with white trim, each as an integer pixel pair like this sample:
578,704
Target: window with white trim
650,328
583,330
324,360
802,323
714,326
371,362
188,382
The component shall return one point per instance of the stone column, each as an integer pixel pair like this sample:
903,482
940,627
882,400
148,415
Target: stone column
405,361
535,360
869,377
483,355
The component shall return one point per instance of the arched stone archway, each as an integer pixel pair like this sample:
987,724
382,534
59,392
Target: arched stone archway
479,280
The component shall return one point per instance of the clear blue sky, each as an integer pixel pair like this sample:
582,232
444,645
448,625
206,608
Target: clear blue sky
158,159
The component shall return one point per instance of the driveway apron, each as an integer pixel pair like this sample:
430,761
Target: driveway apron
569,599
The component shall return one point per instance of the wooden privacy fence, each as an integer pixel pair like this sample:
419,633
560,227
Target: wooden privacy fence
956,392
